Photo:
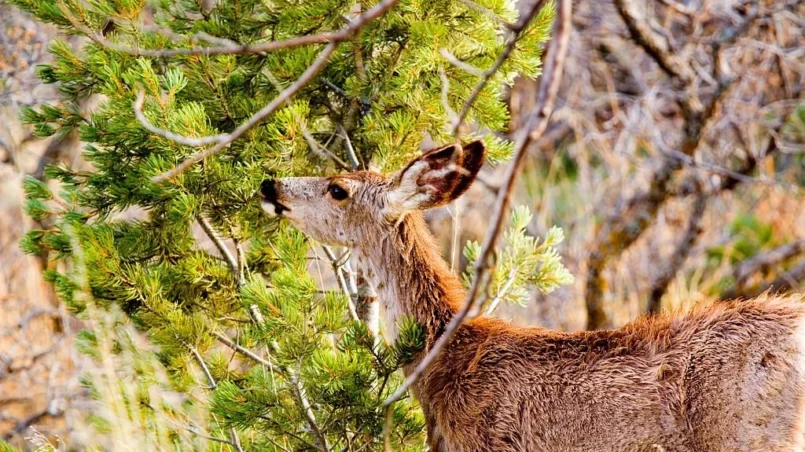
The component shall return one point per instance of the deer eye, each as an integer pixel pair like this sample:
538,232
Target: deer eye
337,192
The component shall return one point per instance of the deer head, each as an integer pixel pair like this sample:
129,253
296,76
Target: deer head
352,208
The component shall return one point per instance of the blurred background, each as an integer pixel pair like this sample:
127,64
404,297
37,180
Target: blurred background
674,162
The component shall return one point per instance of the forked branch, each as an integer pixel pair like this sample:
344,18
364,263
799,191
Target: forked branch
231,48
222,141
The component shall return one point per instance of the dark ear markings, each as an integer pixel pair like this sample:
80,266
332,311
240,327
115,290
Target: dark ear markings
472,160
474,156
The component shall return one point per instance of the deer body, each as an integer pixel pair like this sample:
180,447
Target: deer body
724,377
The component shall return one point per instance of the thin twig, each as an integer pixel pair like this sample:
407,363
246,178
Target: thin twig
487,75
228,257
487,12
451,114
209,437
767,260
460,64
536,125
231,48
233,435
181,139
246,352
314,145
353,158
342,281
677,258
642,33
303,80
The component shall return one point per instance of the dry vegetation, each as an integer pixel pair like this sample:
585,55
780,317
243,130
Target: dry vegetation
674,163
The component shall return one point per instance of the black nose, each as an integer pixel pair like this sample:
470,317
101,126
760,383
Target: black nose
269,190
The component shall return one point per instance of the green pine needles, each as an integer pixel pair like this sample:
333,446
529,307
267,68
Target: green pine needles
222,290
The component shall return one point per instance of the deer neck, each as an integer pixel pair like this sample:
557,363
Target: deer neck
411,278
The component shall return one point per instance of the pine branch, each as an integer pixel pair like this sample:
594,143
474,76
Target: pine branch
337,266
210,231
296,389
461,64
233,435
258,117
517,31
307,410
488,12
536,124
231,48
181,139
248,353
314,145
224,140
501,292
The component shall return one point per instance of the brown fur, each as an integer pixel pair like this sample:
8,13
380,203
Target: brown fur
723,377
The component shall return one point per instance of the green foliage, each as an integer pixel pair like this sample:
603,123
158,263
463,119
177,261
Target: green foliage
523,262
120,240
6,447
748,237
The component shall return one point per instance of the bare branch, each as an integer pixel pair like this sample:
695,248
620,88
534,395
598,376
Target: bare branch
181,139
676,6
489,73
246,352
460,64
230,48
488,12
536,125
353,158
258,117
210,231
628,223
764,261
692,233
644,36
233,435
342,281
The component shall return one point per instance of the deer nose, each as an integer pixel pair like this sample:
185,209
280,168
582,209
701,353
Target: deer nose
271,204
268,189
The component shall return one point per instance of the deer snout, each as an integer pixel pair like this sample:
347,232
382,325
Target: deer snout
268,190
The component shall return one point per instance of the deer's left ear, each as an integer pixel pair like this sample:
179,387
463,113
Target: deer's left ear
437,177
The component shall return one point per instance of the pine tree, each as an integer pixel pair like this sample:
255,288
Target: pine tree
286,367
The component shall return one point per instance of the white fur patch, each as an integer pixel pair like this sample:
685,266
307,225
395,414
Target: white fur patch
270,208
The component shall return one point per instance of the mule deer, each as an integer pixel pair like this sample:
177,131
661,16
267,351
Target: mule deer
726,376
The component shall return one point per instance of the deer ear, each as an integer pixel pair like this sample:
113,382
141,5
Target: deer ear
437,177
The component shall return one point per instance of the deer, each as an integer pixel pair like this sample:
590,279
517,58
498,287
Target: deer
725,376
